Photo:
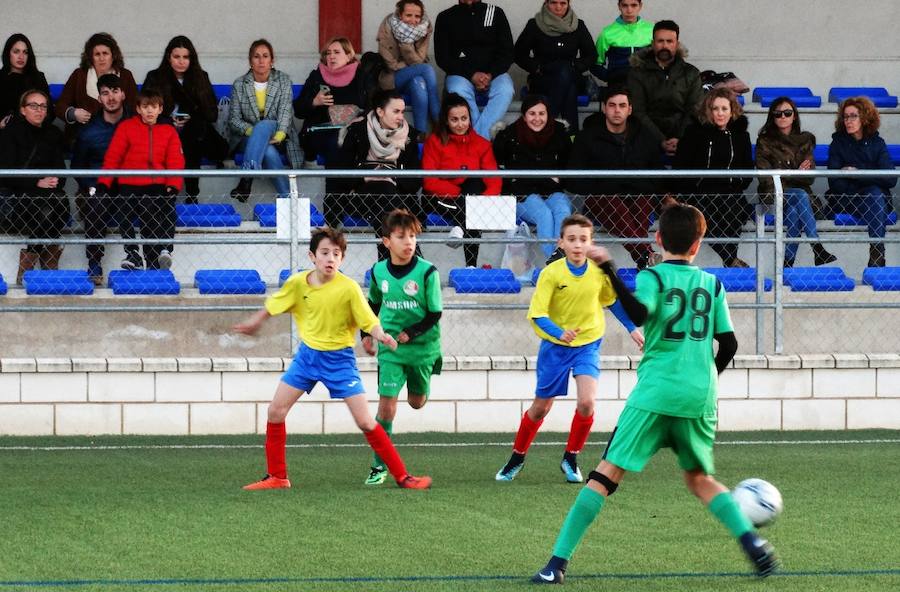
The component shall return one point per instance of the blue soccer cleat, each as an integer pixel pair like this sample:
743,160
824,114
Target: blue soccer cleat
761,554
571,471
553,573
509,471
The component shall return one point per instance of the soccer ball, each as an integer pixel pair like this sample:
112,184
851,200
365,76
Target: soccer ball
759,500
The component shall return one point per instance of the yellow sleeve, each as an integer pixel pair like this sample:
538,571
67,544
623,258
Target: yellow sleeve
540,299
607,293
360,310
286,297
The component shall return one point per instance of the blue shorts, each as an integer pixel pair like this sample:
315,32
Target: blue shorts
335,369
555,361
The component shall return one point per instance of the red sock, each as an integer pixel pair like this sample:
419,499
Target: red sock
578,434
383,447
276,437
527,431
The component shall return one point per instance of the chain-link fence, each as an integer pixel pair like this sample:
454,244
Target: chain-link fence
806,271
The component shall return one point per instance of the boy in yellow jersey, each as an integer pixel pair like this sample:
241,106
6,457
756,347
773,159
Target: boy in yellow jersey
567,314
328,307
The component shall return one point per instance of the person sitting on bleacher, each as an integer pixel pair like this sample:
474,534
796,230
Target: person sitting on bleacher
42,209
537,142
190,103
455,146
78,101
619,41
473,45
556,49
856,145
665,89
403,44
616,140
90,150
381,140
783,145
260,115
18,74
141,142
719,142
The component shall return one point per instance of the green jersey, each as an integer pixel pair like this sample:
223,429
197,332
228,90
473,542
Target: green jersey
685,308
403,296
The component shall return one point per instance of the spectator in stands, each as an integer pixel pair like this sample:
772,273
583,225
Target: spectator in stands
260,115
381,140
719,142
619,41
190,103
19,74
556,49
538,142
615,139
78,101
42,210
141,142
403,44
455,146
783,145
856,145
90,150
665,89
474,46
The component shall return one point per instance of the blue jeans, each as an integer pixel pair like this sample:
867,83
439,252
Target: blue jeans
259,154
500,95
419,83
798,217
546,214
874,209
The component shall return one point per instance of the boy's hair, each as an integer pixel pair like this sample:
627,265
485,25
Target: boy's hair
337,237
149,96
400,219
680,226
575,220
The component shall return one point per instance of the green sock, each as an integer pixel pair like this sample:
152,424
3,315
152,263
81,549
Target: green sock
726,511
388,427
583,512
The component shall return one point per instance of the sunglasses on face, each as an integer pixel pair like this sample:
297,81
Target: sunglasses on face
783,113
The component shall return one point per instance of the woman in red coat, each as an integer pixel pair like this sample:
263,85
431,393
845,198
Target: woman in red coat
141,143
455,145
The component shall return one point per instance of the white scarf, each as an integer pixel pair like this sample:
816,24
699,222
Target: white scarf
404,33
91,83
385,145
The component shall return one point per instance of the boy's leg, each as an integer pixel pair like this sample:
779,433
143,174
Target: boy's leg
528,428
582,421
276,439
381,443
387,410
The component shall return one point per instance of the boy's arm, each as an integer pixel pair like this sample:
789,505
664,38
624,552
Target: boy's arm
727,348
251,324
619,312
636,311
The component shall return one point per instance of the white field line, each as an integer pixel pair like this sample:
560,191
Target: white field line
422,445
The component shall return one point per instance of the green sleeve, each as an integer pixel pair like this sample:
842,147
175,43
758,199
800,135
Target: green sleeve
602,46
646,290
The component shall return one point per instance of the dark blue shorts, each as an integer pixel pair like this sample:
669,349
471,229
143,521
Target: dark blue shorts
335,369
556,361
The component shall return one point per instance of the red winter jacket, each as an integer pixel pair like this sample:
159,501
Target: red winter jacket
468,151
136,145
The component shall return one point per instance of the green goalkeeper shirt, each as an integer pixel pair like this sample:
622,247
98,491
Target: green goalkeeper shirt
404,296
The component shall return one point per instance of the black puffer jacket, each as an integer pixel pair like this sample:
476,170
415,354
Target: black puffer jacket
535,49
511,154
597,148
707,147
24,146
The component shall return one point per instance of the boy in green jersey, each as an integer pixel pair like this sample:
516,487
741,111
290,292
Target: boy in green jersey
673,405
405,292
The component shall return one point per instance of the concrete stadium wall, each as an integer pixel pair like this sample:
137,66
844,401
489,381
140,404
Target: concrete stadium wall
177,396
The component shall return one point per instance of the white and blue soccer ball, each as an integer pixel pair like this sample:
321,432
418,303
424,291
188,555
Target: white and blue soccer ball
759,500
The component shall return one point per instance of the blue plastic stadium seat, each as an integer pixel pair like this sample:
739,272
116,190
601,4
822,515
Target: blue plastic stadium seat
56,91
284,274
628,275
355,222
818,279
207,215
820,154
158,282
770,220
894,151
265,215
801,95
738,279
433,219
296,89
882,279
57,282
845,219
581,100
229,281
222,91
877,94
3,287
484,281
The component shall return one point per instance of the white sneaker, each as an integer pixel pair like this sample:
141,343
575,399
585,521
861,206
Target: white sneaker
164,261
454,237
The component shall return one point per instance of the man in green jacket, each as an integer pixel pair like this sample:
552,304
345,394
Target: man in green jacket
665,89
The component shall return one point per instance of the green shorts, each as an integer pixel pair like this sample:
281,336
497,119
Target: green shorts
392,376
639,434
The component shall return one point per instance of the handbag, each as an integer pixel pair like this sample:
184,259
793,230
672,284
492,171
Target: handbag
343,115
520,256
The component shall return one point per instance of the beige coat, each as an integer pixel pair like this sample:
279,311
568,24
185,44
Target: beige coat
399,55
